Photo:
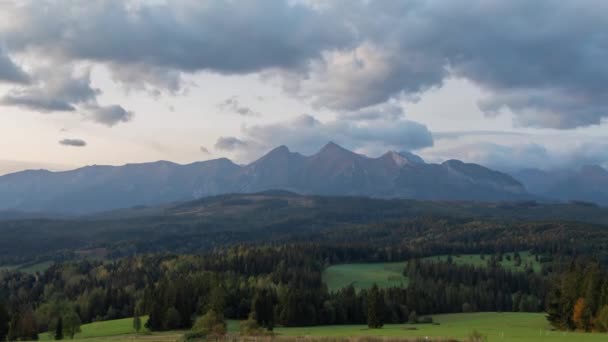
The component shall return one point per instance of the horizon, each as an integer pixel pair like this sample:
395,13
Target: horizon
504,96
67,169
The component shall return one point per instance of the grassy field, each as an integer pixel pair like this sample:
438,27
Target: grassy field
104,329
518,327
365,275
29,268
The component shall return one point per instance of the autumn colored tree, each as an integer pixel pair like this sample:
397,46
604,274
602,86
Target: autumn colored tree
578,313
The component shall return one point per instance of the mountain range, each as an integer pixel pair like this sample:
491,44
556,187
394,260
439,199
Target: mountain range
331,171
585,183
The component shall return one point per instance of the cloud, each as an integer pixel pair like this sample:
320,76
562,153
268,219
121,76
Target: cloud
306,134
110,115
232,105
229,144
205,150
547,152
56,89
518,52
178,36
385,111
63,89
9,71
73,142
460,134
341,55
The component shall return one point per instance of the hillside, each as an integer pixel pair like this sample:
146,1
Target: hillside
276,217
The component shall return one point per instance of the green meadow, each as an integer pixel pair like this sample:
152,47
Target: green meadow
517,327
363,276
29,268
497,327
105,329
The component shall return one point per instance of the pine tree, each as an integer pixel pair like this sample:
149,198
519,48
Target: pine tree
4,319
59,329
263,308
375,309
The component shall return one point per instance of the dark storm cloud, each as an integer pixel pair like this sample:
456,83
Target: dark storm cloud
9,71
73,142
542,60
229,144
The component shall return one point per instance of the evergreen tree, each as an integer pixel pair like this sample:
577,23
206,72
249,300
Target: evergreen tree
173,319
4,320
13,329
375,308
263,308
59,329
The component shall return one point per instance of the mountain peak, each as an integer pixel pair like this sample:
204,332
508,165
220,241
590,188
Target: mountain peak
280,150
277,152
333,149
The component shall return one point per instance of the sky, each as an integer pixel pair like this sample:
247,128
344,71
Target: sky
508,84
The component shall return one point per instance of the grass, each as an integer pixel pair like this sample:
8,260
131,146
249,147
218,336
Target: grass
105,329
363,276
29,268
170,336
518,327
498,327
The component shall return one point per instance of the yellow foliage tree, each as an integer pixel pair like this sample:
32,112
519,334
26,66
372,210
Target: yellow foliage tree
577,313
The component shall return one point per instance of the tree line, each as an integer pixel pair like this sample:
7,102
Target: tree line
269,285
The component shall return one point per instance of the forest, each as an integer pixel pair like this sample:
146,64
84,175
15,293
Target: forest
278,285
268,271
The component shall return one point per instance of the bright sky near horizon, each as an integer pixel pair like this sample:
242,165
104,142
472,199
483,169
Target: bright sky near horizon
508,84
